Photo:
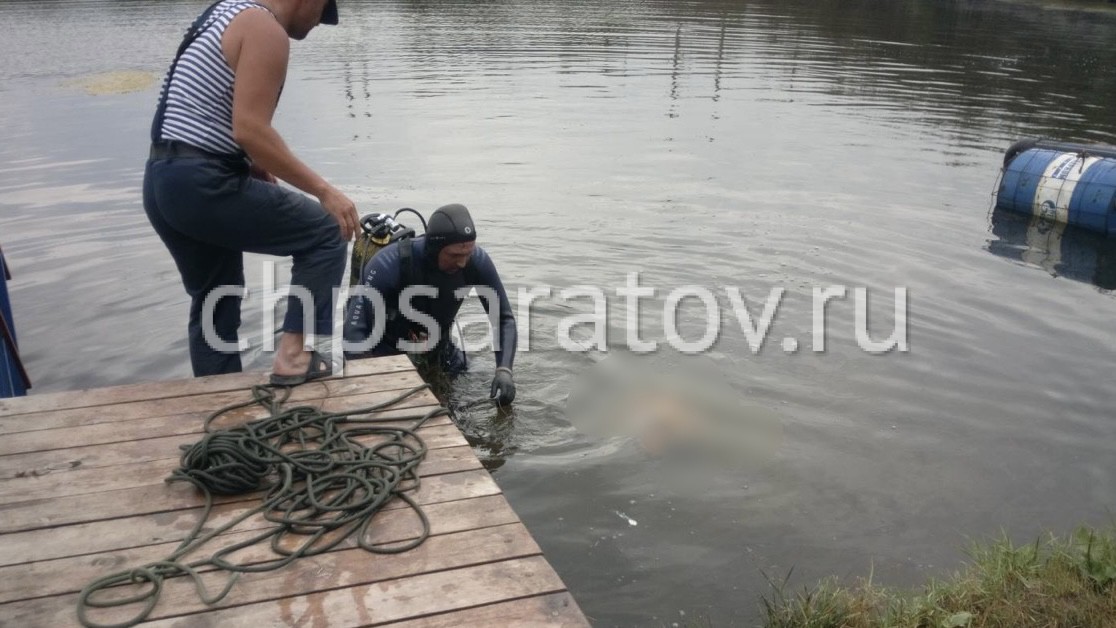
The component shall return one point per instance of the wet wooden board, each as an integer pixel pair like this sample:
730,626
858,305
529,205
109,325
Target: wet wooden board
82,495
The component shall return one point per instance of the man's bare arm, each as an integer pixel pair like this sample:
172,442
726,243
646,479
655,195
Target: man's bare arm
258,49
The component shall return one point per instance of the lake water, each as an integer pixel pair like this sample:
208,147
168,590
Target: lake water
757,144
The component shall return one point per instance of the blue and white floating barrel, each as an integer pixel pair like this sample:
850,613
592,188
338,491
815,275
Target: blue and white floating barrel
1068,183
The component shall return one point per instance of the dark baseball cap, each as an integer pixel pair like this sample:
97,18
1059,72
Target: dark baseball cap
329,13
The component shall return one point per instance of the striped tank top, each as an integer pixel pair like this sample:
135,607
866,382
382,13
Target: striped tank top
199,89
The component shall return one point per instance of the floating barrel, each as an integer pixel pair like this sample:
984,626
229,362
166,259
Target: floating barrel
1068,183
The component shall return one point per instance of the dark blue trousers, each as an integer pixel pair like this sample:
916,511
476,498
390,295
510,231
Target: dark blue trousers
208,213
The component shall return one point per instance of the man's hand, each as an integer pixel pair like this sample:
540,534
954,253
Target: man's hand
343,211
503,387
261,174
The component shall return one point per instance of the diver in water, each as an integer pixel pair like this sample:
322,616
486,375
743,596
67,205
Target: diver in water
440,268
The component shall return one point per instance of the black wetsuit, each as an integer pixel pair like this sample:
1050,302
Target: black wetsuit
385,274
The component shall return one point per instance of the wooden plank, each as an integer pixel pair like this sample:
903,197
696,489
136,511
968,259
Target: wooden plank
555,610
72,573
157,498
160,527
191,423
177,388
391,600
39,463
371,366
202,404
79,481
333,570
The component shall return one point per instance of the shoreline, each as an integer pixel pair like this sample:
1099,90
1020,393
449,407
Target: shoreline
1055,581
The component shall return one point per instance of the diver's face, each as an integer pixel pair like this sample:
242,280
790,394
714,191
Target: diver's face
454,257
307,15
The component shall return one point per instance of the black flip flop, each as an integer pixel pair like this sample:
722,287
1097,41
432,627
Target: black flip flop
318,368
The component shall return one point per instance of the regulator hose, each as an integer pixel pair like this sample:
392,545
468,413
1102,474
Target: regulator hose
415,212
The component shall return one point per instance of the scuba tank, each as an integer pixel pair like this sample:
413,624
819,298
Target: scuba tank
376,232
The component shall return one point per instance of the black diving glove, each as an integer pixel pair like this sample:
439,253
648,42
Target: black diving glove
503,387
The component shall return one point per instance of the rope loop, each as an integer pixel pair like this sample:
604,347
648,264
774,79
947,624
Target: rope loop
321,478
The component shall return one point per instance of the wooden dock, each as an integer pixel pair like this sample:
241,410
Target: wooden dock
82,495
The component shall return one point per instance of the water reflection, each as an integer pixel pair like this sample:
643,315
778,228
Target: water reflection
967,64
1058,249
488,428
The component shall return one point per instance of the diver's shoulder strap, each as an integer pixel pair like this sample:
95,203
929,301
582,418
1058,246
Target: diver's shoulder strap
406,262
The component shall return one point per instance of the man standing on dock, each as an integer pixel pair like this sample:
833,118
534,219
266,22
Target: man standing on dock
446,264
210,185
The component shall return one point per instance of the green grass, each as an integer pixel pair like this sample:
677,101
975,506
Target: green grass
1056,582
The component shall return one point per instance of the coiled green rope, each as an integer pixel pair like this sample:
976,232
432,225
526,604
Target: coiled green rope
321,483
